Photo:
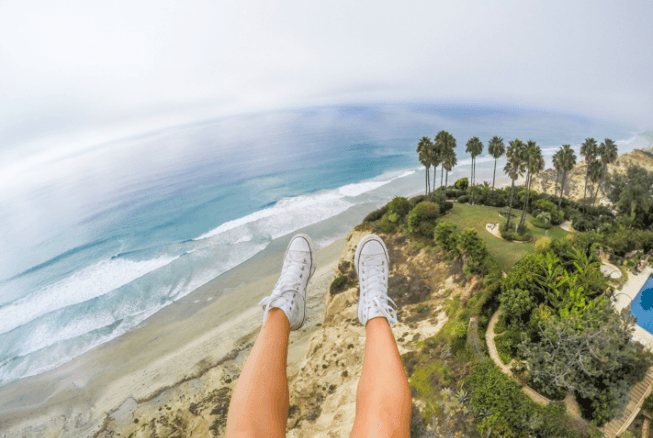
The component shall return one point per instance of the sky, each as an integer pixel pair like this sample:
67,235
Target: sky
79,71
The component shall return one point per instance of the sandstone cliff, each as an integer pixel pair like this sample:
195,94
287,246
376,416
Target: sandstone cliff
575,184
323,383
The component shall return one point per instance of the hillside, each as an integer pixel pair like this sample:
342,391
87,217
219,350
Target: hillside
545,182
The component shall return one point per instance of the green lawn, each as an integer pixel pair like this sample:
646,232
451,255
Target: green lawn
506,253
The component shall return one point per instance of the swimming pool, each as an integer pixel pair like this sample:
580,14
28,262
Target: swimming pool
642,306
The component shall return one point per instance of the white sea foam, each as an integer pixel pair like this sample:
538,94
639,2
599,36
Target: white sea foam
89,283
300,211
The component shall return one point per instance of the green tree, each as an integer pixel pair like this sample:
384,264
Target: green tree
534,163
437,150
422,218
567,162
447,143
447,235
424,155
595,175
517,303
472,248
514,168
449,162
474,148
609,153
589,151
632,192
496,149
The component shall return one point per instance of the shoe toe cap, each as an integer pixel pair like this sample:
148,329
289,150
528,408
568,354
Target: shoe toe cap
372,247
299,243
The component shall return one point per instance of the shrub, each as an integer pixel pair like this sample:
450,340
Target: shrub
464,199
376,214
493,199
543,244
446,235
421,219
473,249
445,206
461,184
388,223
338,284
511,234
400,207
454,193
542,220
417,199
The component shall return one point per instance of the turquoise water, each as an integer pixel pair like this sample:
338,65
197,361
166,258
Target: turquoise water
642,306
103,239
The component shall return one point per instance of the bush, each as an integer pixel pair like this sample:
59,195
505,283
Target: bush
493,199
454,193
584,223
473,249
388,223
461,184
543,244
464,199
422,218
511,234
399,207
542,220
417,199
376,214
338,284
445,206
446,235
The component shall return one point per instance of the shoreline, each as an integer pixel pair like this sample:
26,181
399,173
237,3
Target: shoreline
191,340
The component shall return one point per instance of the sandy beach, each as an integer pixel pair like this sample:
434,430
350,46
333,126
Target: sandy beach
180,353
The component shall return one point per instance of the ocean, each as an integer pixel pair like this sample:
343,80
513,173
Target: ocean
98,240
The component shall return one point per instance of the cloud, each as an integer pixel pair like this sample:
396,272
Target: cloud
97,70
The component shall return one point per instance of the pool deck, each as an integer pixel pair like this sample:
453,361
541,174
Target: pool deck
623,298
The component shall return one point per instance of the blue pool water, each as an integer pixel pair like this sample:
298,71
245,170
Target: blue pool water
642,306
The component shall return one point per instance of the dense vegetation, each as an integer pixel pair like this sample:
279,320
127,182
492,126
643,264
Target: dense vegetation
557,329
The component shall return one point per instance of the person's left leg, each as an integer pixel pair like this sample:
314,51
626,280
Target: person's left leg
259,405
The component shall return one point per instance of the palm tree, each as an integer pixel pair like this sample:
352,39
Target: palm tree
450,160
436,159
496,149
608,153
474,148
588,150
514,168
568,161
557,165
534,163
595,173
446,143
424,154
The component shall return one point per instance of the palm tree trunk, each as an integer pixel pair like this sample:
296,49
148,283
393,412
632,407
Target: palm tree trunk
441,174
555,186
446,180
435,176
495,173
426,177
585,190
562,187
512,191
528,191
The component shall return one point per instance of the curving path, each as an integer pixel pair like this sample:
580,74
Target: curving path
494,354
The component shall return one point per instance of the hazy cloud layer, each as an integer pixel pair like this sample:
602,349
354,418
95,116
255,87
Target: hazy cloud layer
100,69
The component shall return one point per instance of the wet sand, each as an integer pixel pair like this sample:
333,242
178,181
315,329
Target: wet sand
177,344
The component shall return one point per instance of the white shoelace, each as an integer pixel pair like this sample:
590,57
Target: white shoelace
374,275
289,281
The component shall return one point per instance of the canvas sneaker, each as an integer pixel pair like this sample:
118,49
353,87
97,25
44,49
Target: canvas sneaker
289,294
372,265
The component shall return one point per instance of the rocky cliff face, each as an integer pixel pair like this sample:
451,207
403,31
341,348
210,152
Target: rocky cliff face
575,184
323,394
323,384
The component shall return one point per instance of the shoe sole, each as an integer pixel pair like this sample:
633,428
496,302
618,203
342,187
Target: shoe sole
311,247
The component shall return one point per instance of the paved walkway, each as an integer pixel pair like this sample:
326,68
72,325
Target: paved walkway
494,354
566,225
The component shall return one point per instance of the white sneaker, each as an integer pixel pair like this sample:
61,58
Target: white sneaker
372,265
289,294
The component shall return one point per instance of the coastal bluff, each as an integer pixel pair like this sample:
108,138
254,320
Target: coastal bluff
323,377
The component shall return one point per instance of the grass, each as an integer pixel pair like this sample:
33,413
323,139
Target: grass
506,253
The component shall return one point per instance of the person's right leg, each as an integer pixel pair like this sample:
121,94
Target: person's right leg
383,400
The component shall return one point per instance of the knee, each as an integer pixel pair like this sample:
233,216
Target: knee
381,428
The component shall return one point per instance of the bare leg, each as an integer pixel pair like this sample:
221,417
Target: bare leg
383,401
259,405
